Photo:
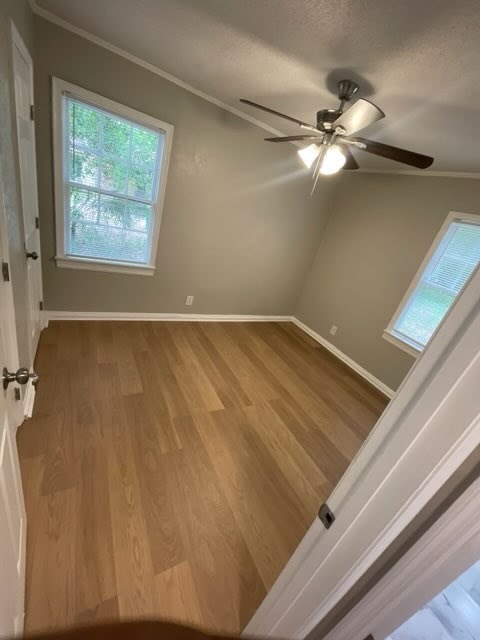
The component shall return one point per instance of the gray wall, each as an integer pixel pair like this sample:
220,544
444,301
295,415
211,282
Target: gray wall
379,230
19,12
239,229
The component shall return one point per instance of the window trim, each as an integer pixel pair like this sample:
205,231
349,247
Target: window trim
389,334
59,88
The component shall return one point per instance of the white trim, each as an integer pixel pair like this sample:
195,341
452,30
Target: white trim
390,334
68,26
390,602
19,624
18,43
412,350
90,264
162,317
44,318
29,399
427,431
60,88
375,382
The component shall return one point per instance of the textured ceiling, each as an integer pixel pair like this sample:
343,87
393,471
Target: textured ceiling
419,60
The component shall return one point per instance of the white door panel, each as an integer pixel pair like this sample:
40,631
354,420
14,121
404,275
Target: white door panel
12,508
8,598
12,534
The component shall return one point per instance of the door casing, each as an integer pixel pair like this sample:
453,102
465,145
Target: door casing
447,549
27,172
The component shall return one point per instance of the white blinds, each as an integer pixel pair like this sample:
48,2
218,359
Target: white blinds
451,265
111,168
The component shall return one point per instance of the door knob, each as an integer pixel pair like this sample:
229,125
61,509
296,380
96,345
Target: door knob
22,376
32,254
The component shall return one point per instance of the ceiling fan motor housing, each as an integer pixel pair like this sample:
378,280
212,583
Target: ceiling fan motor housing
326,117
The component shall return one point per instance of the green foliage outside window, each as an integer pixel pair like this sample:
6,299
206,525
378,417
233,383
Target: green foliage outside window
111,168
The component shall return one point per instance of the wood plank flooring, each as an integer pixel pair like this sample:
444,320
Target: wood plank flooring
170,469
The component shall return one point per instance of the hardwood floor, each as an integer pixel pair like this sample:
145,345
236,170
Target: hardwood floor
171,469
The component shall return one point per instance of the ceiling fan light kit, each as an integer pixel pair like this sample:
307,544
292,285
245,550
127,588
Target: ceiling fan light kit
332,136
309,154
332,161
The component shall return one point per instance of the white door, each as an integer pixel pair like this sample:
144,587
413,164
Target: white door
12,508
23,77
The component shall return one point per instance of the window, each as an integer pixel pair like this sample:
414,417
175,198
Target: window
452,259
110,172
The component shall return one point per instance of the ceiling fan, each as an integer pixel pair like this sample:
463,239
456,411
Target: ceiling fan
332,136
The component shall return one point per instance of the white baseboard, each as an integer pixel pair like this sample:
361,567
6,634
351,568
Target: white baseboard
378,384
164,317
44,319
29,400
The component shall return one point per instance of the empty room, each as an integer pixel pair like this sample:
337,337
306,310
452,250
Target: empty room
240,298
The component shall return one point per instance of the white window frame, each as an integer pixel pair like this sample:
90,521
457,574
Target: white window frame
59,89
389,333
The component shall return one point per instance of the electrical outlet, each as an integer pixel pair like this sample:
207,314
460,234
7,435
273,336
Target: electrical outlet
333,330
189,301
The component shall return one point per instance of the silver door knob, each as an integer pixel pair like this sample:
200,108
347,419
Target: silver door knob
21,376
32,254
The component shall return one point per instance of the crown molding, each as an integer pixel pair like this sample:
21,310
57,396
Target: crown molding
68,26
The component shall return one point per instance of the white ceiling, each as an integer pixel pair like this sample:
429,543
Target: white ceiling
419,60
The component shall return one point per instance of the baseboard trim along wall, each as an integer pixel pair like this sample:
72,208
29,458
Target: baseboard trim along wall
208,317
164,317
375,382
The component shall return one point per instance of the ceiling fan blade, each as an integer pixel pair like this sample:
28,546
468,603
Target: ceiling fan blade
394,153
351,164
361,114
275,113
294,138
310,128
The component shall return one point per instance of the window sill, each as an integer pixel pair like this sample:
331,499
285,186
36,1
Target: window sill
401,344
70,262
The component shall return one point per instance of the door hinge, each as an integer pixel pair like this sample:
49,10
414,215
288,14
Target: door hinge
32,112
5,272
41,305
37,223
326,516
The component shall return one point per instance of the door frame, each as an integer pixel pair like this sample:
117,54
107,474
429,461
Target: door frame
17,41
428,430
445,551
